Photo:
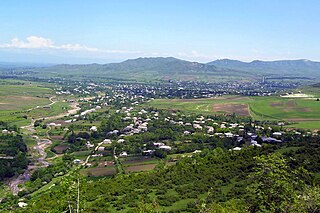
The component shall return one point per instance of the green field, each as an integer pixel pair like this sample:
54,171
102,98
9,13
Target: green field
21,101
303,112
15,100
205,105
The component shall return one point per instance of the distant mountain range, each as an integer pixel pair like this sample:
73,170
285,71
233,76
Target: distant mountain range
283,67
159,64
169,68
160,68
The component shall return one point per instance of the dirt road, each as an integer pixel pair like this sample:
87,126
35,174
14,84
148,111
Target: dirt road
41,145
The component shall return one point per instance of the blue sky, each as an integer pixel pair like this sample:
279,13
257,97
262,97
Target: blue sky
75,31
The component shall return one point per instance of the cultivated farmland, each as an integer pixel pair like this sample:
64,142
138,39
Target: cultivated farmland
303,112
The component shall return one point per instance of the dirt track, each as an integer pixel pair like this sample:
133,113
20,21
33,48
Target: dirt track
42,144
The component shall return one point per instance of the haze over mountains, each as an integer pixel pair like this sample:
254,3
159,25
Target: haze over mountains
160,68
285,67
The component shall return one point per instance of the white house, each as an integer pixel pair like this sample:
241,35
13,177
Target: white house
22,204
228,134
106,141
120,141
123,154
277,134
167,148
236,149
93,129
186,132
158,144
101,148
5,131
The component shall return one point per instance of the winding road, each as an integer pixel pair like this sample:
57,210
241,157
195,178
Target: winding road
41,145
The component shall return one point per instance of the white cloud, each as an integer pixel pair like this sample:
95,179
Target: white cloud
37,42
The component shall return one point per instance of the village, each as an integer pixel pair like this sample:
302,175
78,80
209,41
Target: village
128,135
177,89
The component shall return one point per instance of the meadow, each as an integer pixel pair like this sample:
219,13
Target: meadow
302,112
22,100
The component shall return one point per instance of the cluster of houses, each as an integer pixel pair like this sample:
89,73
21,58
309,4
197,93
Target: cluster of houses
194,89
140,119
5,132
126,96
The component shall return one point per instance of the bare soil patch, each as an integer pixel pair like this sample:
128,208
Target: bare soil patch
239,109
140,168
304,109
60,148
276,104
291,103
99,171
26,98
137,160
233,98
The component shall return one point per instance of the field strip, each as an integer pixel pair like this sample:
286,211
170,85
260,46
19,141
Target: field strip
261,116
303,119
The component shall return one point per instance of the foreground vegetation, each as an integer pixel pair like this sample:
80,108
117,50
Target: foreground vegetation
255,180
13,154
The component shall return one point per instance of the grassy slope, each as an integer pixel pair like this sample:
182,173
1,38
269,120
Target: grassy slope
15,100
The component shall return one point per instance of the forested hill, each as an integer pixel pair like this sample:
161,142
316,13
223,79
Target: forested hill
288,67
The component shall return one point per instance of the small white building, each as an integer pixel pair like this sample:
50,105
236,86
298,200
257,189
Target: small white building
159,144
5,131
210,129
106,141
236,149
148,152
186,133
277,134
120,141
101,148
93,129
167,148
228,134
22,204
123,154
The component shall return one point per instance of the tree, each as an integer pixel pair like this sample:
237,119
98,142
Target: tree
274,187
160,153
